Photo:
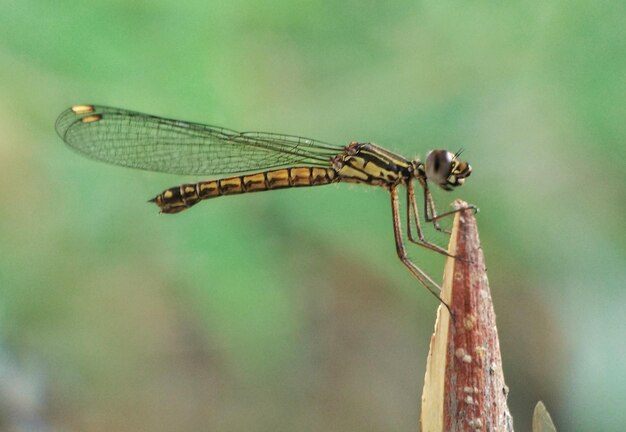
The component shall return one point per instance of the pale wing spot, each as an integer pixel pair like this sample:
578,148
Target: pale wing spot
82,109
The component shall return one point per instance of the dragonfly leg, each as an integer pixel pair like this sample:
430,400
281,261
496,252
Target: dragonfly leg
431,211
456,210
413,215
419,274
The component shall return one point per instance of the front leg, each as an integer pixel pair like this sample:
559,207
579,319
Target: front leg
413,218
430,211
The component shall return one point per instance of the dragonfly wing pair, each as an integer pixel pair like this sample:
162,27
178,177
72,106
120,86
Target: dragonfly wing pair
143,141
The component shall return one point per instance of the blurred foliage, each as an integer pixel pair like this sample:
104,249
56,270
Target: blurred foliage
289,310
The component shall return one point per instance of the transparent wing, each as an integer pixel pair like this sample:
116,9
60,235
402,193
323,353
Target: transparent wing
143,141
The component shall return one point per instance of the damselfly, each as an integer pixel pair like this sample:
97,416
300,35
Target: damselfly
264,161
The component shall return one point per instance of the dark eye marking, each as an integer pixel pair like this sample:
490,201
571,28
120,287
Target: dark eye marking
437,164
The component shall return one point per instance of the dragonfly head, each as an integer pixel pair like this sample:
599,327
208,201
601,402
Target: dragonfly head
445,169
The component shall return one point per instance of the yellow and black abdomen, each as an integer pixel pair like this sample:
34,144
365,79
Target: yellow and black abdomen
179,198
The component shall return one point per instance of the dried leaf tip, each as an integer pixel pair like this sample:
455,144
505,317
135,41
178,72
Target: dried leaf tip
464,385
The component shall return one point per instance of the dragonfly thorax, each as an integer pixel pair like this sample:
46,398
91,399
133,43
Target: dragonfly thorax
371,164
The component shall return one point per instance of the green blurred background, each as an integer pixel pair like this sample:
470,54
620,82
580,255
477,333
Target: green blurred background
289,311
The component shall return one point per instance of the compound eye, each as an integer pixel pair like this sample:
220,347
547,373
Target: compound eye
439,165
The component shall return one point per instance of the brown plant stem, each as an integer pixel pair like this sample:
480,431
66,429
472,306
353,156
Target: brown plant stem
464,387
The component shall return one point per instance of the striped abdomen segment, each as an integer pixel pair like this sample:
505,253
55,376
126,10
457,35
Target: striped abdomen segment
182,197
